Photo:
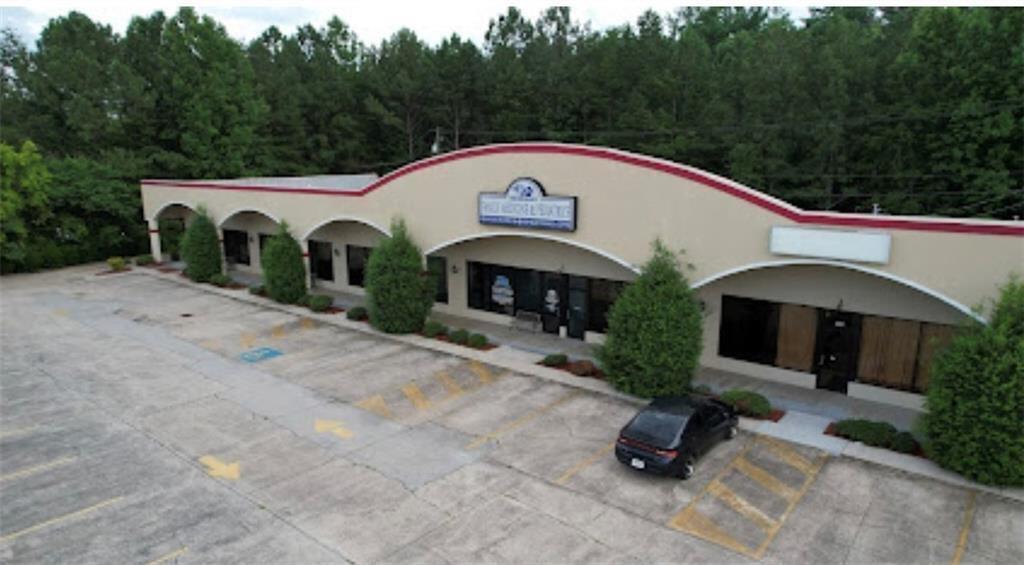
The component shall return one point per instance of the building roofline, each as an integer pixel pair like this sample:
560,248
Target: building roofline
733,188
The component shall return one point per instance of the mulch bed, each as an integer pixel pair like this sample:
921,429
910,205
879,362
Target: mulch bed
581,368
442,337
332,310
830,430
109,272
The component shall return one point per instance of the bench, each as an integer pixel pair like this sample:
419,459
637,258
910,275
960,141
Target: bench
526,321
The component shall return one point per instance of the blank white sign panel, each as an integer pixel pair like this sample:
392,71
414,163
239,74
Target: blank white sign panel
843,245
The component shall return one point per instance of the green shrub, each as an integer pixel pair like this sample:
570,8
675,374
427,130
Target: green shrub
875,434
555,360
459,336
283,269
903,442
258,290
654,331
200,248
319,302
399,291
220,280
357,313
433,328
975,406
747,402
116,263
143,260
476,340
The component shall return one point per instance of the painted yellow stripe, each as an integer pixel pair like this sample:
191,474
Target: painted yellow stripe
277,332
808,481
62,312
590,460
693,522
790,457
308,323
449,384
59,519
741,505
416,396
965,530
247,340
375,404
764,478
37,469
17,432
521,421
172,555
481,372
210,344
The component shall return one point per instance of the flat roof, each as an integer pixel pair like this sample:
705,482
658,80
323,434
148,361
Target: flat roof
329,183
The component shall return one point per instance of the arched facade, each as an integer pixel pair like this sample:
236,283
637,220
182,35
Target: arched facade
598,210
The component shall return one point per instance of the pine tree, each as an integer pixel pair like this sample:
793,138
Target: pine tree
284,272
200,248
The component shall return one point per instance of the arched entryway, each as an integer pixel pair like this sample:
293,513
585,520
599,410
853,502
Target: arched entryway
244,233
166,228
561,286
338,250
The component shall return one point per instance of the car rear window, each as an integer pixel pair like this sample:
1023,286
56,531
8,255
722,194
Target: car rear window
655,428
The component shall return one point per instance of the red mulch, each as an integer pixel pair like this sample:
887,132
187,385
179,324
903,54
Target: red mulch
109,272
830,430
776,415
333,310
575,368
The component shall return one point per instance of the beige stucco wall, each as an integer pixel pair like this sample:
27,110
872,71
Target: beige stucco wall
255,224
340,234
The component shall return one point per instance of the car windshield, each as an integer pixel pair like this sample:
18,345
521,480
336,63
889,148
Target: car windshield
658,429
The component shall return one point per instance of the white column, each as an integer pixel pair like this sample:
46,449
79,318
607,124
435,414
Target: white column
154,240
308,263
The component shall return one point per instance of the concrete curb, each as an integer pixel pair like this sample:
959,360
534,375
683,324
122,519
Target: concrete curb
804,435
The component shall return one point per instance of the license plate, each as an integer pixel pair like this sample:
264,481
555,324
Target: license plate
637,463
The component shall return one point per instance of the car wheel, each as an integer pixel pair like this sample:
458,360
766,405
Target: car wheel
687,470
731,432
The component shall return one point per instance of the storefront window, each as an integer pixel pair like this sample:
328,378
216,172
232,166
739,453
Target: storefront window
602,295
264,240
438,267
749,330
236,247
357,258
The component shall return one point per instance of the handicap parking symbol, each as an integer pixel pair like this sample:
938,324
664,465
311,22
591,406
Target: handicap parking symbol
260,354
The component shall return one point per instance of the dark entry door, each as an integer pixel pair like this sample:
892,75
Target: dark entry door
552,302
577,307
321,260
838,347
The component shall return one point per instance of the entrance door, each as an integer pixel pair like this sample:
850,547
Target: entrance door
838,345
577,307
552,302
321,260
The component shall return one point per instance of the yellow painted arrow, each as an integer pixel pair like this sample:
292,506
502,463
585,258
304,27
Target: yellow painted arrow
217,468
333,427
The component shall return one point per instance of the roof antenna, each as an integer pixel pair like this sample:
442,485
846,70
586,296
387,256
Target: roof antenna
876,209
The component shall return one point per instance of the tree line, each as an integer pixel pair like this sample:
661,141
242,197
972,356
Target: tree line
908,111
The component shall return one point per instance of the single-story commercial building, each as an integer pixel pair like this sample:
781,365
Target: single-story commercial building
848,302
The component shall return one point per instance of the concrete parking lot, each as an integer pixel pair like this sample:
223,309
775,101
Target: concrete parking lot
144,420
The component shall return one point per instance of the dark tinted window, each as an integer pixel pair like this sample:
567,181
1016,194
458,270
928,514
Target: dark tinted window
655,428
357,258
438,267
749,330
236,247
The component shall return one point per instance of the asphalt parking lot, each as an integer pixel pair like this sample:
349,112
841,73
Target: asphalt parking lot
143,420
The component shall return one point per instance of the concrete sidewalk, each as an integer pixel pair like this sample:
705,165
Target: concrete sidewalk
804,423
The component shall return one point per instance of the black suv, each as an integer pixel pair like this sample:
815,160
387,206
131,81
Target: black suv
670,434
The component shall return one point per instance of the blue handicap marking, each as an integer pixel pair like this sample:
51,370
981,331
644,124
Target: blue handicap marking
260,354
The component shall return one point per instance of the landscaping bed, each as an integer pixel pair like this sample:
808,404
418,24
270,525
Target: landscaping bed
876,434
579,367
440,332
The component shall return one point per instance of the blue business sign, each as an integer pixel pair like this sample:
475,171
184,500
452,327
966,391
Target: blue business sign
260,354
524,204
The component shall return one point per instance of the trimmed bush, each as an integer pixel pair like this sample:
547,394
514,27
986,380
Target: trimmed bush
283,269
319,302
220,280
143,260
903,442
257,290
200,248
433,328
555,360
477,340
975,419
747,402
116,263
654,331
399,291
459,336
875,434
357,313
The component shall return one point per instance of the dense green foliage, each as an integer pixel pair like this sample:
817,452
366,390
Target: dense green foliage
357,313
433,328
975,418
868,432
916,110
200,248
654,331
320,302
477,340
221,280
459,336
747,402
284,272
144,259
554,360
399,292
116,263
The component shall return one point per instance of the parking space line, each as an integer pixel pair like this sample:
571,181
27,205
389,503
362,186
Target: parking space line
481,372
375,404
965,530
172,555
741,505
308,323
689,520
449,384
764,478
37,469
590,460
17,432
416,396
277,332
59,519
521,421
247,340
808,481
790,457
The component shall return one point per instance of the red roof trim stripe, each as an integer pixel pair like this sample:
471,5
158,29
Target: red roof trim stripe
749,195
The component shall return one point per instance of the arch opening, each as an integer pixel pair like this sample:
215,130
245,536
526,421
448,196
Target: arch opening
170,222
244,234
339,249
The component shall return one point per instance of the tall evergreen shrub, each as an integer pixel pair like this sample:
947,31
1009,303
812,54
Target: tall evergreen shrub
975,419
400,292
654,331
284,272
200,248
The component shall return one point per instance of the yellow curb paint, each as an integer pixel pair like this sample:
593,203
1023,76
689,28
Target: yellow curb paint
375,404
519,422
37,469
416,396
741,505
172,555
965,530
590,460
692,521
334,427
449,384
787,455
217,468
59,519
247,340
17,432
277,332
481,372
764,478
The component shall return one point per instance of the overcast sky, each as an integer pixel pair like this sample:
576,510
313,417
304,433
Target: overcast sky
372,20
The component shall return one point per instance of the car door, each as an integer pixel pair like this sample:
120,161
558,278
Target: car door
696,433
717,423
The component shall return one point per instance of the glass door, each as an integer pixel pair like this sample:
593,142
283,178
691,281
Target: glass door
552,302
838,346
321,260
577,307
